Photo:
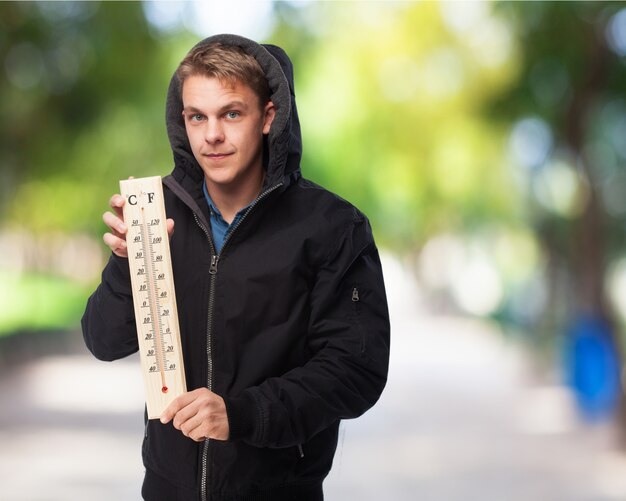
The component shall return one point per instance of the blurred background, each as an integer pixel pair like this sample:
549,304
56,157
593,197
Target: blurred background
486,141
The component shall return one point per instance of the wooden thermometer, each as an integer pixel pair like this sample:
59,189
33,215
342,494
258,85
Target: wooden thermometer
152,282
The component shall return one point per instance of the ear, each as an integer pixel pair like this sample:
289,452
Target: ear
269,112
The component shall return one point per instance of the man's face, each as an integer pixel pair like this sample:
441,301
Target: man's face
225,126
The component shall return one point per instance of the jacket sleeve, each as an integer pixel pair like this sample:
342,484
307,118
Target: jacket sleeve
349,336
109,320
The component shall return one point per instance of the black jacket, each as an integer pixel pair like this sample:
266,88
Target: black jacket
289,323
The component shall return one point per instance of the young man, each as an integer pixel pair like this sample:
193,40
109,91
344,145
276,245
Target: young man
282,307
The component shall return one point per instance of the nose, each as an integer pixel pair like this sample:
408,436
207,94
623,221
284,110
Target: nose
214,132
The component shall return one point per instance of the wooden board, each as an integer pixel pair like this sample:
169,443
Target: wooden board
154,299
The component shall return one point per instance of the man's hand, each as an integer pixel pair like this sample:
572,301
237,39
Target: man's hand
199,414
116,238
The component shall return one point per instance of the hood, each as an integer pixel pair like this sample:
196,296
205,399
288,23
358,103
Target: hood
283,145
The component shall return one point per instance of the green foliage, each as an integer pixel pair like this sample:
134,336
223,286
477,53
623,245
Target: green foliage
36,302
394,121
572,82
83,101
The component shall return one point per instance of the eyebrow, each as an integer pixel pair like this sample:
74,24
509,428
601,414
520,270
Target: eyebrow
192,109
234,104
222,109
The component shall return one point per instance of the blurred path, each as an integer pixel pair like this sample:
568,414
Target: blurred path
465,417
70,430
468,416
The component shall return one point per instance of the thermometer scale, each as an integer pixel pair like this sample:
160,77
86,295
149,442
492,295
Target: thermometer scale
154,300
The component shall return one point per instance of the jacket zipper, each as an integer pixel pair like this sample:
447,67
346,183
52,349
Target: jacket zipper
213,272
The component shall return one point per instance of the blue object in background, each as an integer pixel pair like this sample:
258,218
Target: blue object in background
593,367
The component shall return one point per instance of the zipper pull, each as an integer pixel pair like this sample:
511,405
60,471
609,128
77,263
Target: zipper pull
213,267
355,294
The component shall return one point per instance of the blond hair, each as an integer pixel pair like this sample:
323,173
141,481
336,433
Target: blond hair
229,64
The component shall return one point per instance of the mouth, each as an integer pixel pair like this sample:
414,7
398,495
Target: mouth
217,156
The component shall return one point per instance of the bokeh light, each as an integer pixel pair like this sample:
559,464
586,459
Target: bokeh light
616,33
531,142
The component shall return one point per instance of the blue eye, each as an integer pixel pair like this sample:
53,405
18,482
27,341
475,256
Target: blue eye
196,117
232,114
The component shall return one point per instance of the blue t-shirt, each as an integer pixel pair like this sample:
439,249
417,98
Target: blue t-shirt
219,227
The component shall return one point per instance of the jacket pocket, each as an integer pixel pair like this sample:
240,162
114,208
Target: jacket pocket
355,297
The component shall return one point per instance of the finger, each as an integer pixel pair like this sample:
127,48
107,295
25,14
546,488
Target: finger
176,405
191,427
116,244
117,203
198,434
171,410
115,223
170,227
186,413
